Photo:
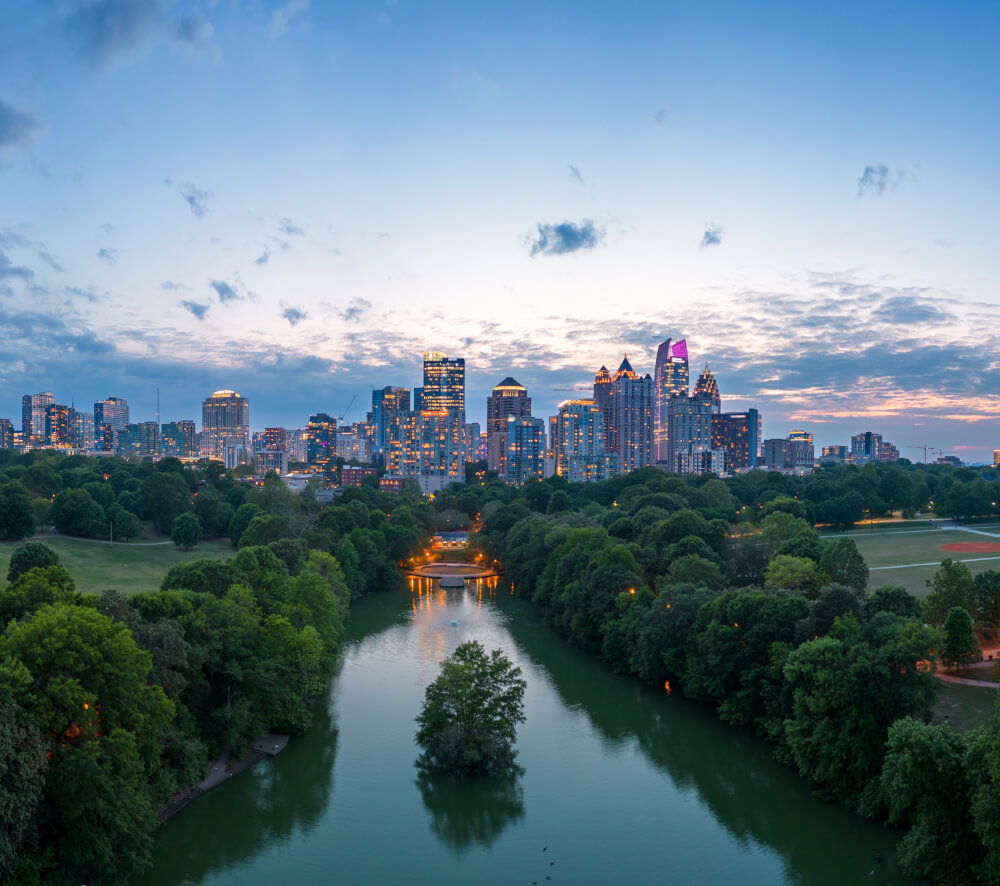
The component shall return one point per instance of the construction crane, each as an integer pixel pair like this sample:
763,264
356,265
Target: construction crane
340,418
924,446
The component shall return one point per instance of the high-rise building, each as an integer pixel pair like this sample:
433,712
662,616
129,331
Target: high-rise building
432,449
887,451
83,430
604,398
509,398
33,408
321,448
178,439
632,399
865,447
776,454
996,454
471,441
708,386
59,425
670,378
689,429
352,445
387,406
110,416
837,453
578,443
525,439
275,440
444,383
225,421
6,433
738,433
801,452
140,440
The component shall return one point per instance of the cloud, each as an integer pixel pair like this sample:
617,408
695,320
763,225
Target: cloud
17,128
294,315
195,198
574,173
289,227
712,236
659,118
229,292
108,256
9,270
50,260
355,310
197,308
909,309
105,29
196,34
170,286
285,15
560,239
876,180
263,258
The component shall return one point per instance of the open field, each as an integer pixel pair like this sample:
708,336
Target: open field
130,568
966,706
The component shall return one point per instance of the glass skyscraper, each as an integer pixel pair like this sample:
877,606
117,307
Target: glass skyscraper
670,377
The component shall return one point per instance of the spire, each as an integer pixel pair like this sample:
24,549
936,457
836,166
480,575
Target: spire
625,369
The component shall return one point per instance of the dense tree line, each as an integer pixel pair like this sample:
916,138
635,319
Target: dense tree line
111,705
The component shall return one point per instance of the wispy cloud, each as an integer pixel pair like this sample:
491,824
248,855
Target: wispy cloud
196,199
574,173
284,15
294,316
878,179
712,236
197,308
230,292
660,117
287,226
17,128
263,258
9,270
355,310
195,34
565,237
171,286
107,29
108,256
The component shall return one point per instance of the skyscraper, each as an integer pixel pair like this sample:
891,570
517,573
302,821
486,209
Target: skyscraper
525,446
670,378
444,382
83,430
177,439
321,446
59,425
509,398
578,443
387,406
33,408
604,399
432,448
225,421
738,433
690,433
707,385
865,447
632,399
110,416
801,452
6,433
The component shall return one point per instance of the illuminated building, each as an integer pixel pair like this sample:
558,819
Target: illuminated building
225,421
272,460
509,398
776,454
996,452
801,452
237,453
432,449
708,386
275,440
670,378
110,416
388,404
689,429
351,446
83,430
352,475
738,433
887,451
604,398
525,447
321,442
33,408
632,400
471,441
141,440
178,439
865,447
578,443
444,383
6,433
836,453
59,426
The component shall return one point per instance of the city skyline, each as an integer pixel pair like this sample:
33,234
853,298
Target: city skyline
294,201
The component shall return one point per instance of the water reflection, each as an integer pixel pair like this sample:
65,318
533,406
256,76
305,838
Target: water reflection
470,811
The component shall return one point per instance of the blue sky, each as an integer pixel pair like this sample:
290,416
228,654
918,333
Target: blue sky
295,199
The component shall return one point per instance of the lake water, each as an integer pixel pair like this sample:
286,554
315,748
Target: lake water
621,783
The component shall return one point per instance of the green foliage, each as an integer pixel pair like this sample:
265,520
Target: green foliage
28,556
185,531
842,562
961,645
124,524
163,496
74,512
35,588
952,585
895,600
469,720
241,520
795,574
22,776
982,769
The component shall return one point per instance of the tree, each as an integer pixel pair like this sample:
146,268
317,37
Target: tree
894,599
28,556
795,574
952,586
961,645
124,524
241,520
74,512
22,774
17,516
982,771
185,531
469,720
163,496
842,561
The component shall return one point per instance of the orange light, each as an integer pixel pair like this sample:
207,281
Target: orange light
631,590
666,685
736,624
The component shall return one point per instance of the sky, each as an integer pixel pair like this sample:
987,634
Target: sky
296,199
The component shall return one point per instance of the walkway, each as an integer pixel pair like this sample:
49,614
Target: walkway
933,563
966,681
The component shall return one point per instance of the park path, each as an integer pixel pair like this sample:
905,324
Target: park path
101,541
967,681
933,563
975,531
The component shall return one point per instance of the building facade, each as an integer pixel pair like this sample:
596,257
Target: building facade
139,440
33,408
225,421
632,399
670,379
110,416
388,404
179,439
578,443
321,442
689,422
739,434
525,450
509,399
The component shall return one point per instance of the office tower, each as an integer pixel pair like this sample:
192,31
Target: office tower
865,447
83,431
887,451
431,451
738,433
444,383
59,425
801,452
839,453
272,460
33,408
237,453
708,386
178,439
509,398
352,445
996,453
387,405
776,454
6,433
418,399
689,426
670,378
275,440
632,401
140,440
225,421
525,439
110,416
578,443
604,399
321,446
471,441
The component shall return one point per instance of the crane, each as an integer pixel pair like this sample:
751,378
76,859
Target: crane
340,418
924,446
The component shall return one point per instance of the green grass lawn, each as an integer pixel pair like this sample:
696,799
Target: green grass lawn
130,568
966,706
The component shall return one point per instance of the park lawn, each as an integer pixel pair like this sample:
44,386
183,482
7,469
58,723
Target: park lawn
877,528
966,706
915,578
130,568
